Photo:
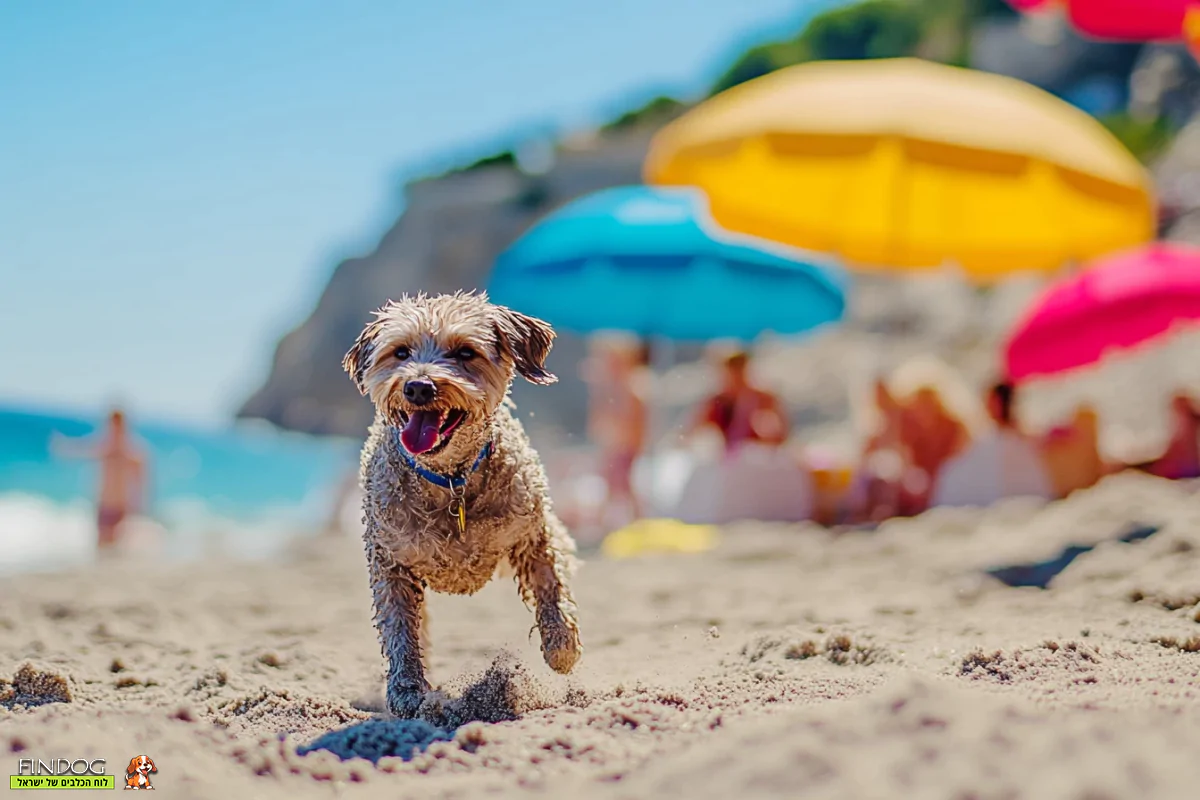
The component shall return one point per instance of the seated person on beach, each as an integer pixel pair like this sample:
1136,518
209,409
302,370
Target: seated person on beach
881,463
740,411
756,478
1002,463
617,417
923,416
1182,457
122,477
1072,453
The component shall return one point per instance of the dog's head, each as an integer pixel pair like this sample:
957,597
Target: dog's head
140,765
439,367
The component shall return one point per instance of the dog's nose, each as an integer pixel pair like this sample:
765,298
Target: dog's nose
419,391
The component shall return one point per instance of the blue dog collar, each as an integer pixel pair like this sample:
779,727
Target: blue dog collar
451,482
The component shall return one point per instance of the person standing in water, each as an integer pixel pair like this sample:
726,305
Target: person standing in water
122,490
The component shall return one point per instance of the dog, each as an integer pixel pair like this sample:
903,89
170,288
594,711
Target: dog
137,774
452,488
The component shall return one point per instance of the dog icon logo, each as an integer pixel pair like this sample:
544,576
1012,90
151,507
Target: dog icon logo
137,774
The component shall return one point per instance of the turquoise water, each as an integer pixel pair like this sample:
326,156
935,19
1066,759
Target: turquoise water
250,480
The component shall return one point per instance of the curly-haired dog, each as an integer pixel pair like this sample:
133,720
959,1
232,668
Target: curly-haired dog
452,487
137,774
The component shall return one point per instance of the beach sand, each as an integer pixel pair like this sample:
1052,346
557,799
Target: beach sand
788,662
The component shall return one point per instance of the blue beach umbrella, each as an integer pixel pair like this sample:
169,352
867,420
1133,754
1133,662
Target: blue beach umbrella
650,261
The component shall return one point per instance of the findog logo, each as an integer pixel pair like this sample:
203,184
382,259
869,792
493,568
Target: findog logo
137,774
61,773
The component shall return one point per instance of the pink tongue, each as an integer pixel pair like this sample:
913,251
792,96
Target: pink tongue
421,432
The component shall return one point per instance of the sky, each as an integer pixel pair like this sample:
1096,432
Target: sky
178,180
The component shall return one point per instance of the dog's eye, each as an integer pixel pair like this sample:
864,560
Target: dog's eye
464,354
402,353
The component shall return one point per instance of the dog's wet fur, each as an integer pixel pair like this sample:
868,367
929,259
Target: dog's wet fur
469,350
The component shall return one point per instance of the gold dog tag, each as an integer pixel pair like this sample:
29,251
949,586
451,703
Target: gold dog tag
458,489
458,508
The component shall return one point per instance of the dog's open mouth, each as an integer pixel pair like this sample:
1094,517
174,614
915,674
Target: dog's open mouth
429,429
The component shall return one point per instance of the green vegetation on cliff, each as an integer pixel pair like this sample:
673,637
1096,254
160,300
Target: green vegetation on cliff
937,29
1145,138
658,110
872,29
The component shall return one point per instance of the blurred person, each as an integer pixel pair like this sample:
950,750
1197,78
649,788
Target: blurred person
882,460
740,411
756,477
1000,463
123,484
618,418
1072,453
1181,460
923,416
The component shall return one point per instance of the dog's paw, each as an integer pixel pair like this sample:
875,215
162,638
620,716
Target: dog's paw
561,648
562,661
405,705
405,701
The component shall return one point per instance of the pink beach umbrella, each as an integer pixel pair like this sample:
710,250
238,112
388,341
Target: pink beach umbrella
1121,301
1121,20
1130,20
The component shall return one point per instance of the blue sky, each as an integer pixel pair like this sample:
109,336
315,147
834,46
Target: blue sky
178,179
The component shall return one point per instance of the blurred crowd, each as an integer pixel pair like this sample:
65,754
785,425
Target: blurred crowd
926,439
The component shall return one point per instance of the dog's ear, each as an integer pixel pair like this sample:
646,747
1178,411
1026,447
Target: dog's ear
527,341
150,761
132,768
359,355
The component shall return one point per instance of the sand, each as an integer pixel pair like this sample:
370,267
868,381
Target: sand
790,661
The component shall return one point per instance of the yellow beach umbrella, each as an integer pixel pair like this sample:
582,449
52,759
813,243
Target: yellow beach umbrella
907,163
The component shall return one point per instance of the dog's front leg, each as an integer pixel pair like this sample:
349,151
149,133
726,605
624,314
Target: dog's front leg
543,564
399,610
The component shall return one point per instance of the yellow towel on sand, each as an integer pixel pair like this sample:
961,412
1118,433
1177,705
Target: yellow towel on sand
658,536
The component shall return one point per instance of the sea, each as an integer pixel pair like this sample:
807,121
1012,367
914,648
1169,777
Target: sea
244,490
